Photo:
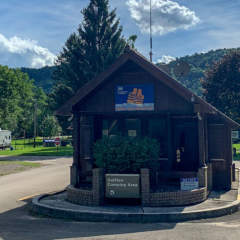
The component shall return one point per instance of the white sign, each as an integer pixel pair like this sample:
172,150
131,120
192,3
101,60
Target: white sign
235,134
189,184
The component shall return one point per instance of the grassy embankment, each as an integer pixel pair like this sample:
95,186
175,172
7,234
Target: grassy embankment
8,167
26,148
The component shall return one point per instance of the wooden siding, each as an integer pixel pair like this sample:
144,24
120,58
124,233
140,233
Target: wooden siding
103,98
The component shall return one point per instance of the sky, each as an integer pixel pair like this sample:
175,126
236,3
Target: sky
33,32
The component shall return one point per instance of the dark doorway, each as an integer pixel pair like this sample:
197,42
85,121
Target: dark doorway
185,146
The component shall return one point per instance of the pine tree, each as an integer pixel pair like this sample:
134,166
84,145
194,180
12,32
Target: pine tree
96,45
222,85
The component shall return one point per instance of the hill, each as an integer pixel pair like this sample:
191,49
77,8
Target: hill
190,69
41,76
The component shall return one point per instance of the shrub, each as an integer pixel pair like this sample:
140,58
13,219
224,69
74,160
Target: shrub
126,155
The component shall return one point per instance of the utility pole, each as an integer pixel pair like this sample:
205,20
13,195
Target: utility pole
151,53
35,124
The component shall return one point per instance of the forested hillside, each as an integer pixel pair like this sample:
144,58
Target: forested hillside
190,69
41,76
189,76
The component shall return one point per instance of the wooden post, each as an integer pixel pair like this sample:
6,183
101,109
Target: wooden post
75,168
201,144
86,143
170,142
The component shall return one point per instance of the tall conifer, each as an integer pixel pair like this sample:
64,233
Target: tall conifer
96,45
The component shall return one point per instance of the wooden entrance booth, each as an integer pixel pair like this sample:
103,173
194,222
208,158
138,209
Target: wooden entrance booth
194,137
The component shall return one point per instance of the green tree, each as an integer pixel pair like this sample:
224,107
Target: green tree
49,126
222,85
96,45
16,93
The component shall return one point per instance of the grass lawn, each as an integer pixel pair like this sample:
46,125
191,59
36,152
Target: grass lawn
237,146
8,167
25,148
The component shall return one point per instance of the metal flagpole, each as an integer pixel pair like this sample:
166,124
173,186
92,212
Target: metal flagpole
151,53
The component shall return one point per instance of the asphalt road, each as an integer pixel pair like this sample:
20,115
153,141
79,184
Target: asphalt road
17,224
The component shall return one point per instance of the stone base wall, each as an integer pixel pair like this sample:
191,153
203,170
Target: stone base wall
179,198
93,197
79,196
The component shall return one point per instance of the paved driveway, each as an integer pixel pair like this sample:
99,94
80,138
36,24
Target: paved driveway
17,224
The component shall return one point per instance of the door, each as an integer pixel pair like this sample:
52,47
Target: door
185,156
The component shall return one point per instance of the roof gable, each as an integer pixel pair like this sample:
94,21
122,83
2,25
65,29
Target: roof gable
151,68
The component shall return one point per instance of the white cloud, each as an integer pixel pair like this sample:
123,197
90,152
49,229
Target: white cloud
166,59
167,16
17,52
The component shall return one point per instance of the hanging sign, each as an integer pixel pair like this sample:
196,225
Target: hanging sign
137,97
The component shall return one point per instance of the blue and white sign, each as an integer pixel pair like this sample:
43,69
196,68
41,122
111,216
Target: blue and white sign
189,184
137,97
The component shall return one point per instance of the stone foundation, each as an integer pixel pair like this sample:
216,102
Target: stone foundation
91,197
177,198
96,195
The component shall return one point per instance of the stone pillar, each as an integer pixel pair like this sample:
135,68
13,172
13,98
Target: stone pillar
98,186
145,186
86,143
202,176
75,168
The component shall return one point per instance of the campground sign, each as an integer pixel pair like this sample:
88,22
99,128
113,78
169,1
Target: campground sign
122,186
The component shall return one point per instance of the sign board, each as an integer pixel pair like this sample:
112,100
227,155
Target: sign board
189,183
122,185
138,97
57,141
235,134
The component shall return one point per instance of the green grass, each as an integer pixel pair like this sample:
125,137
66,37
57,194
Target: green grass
237,146
26,148
8,167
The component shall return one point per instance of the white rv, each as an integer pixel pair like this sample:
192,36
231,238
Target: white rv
5,139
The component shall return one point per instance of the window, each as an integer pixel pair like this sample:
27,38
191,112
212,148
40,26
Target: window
111,127
158,129
133,127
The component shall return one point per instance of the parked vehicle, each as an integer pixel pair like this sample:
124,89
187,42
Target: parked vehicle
5,139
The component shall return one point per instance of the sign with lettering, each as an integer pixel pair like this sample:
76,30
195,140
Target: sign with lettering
189,183
122,186
138,97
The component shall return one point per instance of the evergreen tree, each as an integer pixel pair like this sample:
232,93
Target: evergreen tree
96,45
222,85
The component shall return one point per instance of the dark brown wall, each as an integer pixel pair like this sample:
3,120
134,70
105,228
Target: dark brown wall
103,98
219,150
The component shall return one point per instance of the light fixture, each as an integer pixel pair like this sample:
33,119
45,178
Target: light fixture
199,116
192,98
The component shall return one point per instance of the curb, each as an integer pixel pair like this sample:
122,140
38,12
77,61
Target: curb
97,216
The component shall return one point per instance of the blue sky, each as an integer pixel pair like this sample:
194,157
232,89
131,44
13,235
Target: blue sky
33,32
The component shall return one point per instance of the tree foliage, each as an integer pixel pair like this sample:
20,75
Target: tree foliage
222,85
97,43
18,94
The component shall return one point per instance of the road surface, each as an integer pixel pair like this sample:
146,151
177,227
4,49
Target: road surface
17,224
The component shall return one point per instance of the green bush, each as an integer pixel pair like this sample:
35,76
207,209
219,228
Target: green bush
126,155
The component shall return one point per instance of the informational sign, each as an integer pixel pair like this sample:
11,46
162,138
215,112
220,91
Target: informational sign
138,97
122,186
57,141
189,183
235,134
